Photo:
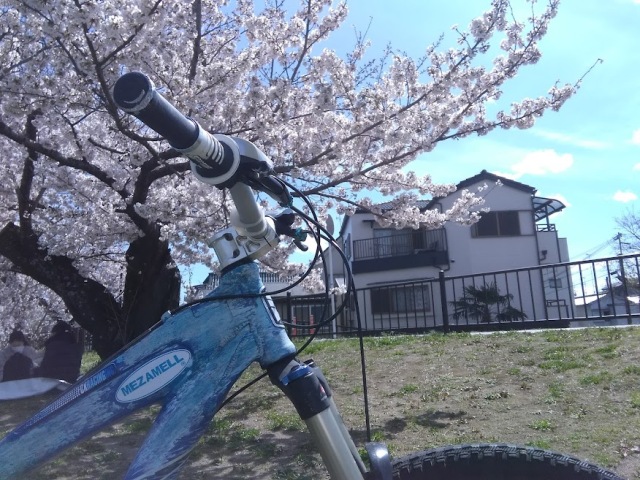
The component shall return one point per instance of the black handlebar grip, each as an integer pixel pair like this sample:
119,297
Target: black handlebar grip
134,93
212,161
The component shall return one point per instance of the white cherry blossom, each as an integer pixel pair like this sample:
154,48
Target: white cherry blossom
84,181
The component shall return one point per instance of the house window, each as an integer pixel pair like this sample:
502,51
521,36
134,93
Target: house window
497,224
401,299
555,282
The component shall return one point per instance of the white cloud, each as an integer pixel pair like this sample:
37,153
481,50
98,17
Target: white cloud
624,197
570,139
637,165
542,162
635,137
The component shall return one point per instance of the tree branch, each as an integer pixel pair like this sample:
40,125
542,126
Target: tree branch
62,160
197,41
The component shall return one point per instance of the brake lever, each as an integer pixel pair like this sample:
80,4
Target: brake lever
283,224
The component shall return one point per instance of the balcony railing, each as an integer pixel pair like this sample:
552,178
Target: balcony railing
400,244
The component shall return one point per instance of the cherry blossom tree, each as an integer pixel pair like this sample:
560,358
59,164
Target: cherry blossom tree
98,211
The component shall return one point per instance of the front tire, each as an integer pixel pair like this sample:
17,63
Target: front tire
496,462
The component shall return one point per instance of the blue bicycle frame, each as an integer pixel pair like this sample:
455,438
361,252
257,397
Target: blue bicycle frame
188,362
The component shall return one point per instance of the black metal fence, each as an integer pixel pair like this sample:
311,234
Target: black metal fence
586,293
305,314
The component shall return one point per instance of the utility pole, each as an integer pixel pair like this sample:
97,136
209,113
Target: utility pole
623,279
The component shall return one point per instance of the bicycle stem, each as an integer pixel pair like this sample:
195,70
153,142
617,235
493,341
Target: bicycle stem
251,237
249,216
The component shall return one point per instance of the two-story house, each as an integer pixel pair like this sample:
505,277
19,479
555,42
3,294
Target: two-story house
515,233
400,273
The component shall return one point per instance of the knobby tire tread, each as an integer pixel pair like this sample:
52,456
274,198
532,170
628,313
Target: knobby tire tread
496,462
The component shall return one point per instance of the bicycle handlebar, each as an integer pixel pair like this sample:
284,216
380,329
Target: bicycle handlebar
134,93
214,161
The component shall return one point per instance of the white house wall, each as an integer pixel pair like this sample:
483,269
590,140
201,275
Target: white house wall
552,249
472,255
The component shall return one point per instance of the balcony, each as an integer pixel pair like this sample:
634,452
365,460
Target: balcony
404,249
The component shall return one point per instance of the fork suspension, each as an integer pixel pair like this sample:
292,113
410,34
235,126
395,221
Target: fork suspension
307,389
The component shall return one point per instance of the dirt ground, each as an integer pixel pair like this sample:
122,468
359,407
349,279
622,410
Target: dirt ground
572,391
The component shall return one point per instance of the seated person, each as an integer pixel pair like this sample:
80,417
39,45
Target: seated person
17,361
62,355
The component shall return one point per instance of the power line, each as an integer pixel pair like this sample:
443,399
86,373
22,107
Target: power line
587,254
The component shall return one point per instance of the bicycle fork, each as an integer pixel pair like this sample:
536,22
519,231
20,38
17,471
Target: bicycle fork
305,385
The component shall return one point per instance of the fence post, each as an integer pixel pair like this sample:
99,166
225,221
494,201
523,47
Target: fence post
443,302
290,319
625,292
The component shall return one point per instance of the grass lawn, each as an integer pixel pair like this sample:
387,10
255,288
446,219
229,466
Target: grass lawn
573,391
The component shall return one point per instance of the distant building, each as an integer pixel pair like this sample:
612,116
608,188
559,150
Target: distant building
273,282
515,233
614,302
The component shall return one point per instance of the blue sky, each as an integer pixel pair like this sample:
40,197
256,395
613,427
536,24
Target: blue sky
588,154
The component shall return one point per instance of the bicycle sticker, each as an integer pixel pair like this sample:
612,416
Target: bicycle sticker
153,375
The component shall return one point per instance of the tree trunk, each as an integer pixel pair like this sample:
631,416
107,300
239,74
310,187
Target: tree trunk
152,284
152,287
486,314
